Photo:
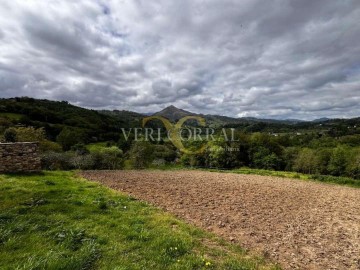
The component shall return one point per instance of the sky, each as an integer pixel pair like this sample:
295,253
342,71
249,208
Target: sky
250,58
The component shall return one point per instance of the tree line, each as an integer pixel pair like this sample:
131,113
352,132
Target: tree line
66,131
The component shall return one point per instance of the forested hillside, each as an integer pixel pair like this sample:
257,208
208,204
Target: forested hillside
56,117
73,137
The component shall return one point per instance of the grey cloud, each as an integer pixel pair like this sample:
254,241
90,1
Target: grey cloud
50,36
280,59
162,88
11,83
87,95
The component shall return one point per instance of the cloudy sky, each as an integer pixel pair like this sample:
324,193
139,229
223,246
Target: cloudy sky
273,59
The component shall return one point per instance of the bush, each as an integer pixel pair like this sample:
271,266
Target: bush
107,158
110,158
30,134
10,135
164,152
56,161
158,162
49,146
191,160
80,149
82,162
141,154
67,161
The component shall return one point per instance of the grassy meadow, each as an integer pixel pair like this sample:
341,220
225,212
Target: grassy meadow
56,220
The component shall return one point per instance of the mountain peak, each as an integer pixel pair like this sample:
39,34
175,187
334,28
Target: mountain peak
173,113
171,107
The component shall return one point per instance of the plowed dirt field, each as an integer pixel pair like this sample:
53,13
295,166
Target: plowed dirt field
299,224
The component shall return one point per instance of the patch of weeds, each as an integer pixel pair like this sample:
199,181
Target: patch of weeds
43,228
23,210
6,218
139,233
172,248
71,239
5,234
20,227
79,216
36,202
113,225
85,259
103,205
207,264
50,183
102,241
78,203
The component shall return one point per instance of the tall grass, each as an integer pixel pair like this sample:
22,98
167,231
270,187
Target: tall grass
58,221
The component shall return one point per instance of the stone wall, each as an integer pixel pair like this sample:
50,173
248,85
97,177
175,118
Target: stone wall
19,157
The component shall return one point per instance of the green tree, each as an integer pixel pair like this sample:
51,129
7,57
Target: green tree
306,161
69,137
289,155
263,158
338,161
353,166
265,151
322,160
216,156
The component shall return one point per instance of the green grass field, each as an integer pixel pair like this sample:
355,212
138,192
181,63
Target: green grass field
56,220
11,116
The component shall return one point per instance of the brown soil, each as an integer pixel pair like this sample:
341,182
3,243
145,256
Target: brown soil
299,224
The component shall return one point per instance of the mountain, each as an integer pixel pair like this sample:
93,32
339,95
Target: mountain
173,114
323,119
105,125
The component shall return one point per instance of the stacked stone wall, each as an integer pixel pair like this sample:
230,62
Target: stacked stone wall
19,157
